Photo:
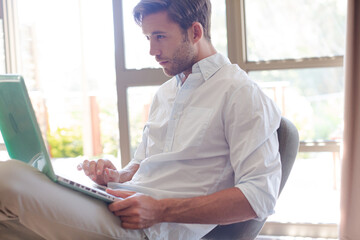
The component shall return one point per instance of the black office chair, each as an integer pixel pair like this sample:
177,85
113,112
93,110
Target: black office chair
248,230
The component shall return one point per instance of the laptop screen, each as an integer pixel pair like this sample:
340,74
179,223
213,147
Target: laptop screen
19,127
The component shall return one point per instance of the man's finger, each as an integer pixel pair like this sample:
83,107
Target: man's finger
92,169
127,219
120,193
126,212
85,166
80,166
100,166
111,175
128,225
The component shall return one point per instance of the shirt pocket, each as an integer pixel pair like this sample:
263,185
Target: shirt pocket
192,126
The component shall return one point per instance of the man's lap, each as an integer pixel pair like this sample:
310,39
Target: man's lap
14,230
53,211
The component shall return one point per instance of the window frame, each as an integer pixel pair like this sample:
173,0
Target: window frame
236,37
10,35
235,11
12,46
126,78
8,20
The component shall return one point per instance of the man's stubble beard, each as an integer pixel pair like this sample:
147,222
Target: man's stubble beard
183,59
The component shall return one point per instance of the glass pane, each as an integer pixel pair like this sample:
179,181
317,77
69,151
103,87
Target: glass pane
311,98
313,174
3,153
2,48
4,156
278,29
218,26
139,101
137,47
68,66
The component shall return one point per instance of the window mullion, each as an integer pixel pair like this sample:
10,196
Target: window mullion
10,36
236,32
300,230
121,87
336,61
145,77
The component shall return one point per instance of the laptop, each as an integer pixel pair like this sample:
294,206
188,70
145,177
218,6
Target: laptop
23,138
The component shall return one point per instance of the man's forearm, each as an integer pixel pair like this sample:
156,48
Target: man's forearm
224,207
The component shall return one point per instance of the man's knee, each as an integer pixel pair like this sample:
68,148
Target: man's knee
13,177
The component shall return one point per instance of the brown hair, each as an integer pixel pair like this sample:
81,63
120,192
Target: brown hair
182,12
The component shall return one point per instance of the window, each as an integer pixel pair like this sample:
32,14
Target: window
65,51
296,57
3,154
294,29
2,47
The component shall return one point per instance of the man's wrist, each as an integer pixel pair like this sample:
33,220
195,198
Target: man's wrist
124,176
165,206
128,172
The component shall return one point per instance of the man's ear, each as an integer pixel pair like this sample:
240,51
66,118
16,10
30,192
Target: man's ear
197,32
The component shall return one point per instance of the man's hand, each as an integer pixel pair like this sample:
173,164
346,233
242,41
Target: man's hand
100,171
136,211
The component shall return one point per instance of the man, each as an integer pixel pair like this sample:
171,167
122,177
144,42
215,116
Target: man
209,153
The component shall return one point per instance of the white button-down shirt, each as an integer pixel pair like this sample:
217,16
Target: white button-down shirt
216,131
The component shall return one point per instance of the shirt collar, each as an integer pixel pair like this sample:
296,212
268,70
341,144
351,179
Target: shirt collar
207,66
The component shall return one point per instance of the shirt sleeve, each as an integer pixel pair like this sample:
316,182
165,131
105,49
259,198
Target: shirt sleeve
251,124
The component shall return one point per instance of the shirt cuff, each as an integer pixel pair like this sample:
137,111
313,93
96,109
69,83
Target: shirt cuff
262,202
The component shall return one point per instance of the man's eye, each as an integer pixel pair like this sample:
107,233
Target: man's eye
158,37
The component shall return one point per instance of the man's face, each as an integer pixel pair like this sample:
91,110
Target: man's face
168,43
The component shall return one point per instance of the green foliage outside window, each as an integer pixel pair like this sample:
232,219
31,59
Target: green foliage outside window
65,142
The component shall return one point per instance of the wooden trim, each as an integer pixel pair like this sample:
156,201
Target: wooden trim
235,38
300,230
121,87
10,39
322,62
143,77
320,146
126,78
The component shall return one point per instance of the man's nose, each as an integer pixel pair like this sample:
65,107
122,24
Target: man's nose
154,49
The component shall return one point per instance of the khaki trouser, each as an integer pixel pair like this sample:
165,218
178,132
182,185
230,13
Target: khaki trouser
34,207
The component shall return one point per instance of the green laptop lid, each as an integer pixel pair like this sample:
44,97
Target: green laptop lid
19,127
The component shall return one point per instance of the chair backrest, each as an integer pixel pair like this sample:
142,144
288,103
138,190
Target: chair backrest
288,147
